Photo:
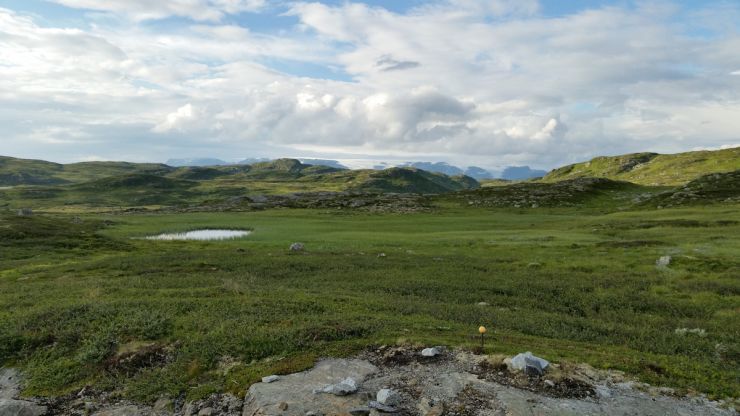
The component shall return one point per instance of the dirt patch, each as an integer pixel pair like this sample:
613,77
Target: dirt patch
131,359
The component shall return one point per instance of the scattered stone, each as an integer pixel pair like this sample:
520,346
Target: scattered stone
360,411
534,265
312,413
303,392
382,407
519,362
483,304
381,255
283,406
388,397
297,247
663,261
430,352
25,212
270,379
9,407
549,383
696,331
347,386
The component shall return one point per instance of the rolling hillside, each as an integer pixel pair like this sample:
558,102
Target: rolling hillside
652,168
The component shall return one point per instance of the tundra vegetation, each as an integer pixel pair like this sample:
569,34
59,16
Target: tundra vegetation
567,269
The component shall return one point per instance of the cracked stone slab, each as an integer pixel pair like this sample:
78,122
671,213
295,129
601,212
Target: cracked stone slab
297,390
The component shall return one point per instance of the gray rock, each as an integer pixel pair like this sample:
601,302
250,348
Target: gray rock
388,397
25,212
270,379
483,304
260,199
360,411
430,352
297,247
532,367
382,407
347,386
9,407
163,406
519,362
9,383
663,261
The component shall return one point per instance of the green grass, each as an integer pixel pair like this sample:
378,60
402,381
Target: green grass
567,284
652,168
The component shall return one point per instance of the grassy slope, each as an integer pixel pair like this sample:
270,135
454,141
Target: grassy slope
157,185
566,284
652,168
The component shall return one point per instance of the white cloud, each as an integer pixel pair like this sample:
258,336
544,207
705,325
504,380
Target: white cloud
474,82
202,10
176,120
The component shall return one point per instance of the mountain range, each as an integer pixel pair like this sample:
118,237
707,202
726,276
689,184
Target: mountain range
478,173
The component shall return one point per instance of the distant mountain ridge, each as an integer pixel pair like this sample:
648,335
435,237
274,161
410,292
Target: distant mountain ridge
478,173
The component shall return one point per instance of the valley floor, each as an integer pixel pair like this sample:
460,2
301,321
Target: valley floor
83,301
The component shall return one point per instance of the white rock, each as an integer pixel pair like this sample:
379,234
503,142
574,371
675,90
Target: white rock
663,261
430,352
519,362
270,379
388,397
347,386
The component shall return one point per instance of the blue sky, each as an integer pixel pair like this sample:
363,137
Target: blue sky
472,82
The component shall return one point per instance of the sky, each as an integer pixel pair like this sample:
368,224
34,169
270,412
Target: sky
471,82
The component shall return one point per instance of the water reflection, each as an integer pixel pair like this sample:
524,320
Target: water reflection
202,235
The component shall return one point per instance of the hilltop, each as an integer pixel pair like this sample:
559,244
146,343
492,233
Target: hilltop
652,168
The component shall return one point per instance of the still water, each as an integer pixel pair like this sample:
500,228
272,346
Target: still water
202,235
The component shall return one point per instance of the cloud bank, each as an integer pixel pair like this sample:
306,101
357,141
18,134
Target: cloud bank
486,83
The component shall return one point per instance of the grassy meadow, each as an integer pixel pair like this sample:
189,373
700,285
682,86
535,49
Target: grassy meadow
80,293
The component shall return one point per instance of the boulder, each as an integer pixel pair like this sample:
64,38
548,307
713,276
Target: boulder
297,247
430,352
533,367
519,362
388,397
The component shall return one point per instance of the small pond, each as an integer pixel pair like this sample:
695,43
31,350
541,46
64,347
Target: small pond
202,235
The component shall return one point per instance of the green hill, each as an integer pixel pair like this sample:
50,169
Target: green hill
712,188
132,190
14,172
412,180
592,192
29,172
652,168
